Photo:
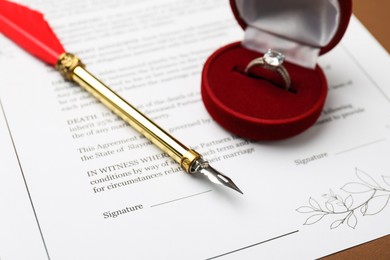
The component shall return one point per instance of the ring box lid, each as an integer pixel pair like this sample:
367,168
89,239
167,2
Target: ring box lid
301,29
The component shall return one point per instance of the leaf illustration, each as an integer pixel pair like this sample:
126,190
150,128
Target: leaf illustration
386,179
314,203
352,220
355,187
348,202
305,209
336,223
331,199
363,209
377,204
329,207
335,205
367,179
313,219
330,195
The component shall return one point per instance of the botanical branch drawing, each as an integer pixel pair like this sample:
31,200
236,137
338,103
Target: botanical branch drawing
346,210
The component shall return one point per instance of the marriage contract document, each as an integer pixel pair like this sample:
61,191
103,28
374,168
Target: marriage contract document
78,183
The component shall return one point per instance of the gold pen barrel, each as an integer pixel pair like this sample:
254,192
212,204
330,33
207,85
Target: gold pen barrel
72,68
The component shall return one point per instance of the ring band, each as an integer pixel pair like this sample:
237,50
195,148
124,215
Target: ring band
272,60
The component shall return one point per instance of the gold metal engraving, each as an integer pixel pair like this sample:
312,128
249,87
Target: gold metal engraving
66,64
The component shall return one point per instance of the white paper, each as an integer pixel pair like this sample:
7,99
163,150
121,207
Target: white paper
72,150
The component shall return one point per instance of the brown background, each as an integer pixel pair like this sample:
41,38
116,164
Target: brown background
375,15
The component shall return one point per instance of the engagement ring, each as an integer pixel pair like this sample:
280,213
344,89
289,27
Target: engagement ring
272,60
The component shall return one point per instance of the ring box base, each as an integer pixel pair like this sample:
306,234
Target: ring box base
255,107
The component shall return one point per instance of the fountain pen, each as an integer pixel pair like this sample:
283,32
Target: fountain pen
191,161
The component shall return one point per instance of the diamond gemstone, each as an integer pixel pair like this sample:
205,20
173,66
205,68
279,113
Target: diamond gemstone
274,58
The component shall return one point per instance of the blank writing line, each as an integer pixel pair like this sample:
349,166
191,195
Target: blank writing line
361,146
366,73
246,247
182,198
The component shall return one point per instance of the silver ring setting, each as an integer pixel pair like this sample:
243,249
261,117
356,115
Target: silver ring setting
272,60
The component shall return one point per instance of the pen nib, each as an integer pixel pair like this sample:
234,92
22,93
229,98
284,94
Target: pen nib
215,176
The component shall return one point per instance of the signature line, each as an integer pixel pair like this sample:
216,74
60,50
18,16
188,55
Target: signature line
259,243
361,146
182,198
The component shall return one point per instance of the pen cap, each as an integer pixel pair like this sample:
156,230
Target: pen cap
257,107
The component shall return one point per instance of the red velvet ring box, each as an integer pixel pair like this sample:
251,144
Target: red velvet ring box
255,107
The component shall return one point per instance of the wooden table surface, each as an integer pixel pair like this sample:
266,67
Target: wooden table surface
375,15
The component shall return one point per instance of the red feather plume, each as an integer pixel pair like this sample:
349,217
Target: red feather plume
29,29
